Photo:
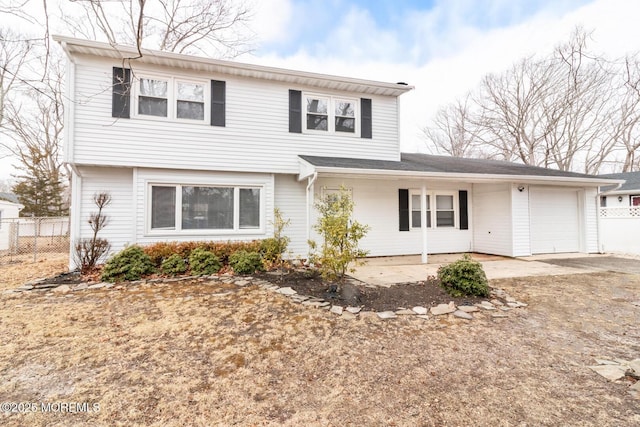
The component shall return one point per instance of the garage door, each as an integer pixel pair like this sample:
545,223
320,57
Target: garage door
555,225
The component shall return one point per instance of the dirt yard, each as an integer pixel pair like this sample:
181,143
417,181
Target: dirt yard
179,354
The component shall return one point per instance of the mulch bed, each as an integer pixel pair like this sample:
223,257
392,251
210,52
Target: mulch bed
407,295
350,293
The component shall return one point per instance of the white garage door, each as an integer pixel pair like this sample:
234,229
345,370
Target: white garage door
555,225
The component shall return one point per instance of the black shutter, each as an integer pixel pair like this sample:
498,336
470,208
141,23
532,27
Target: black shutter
403,203
218,101
365,118
295,111
464,211
121,93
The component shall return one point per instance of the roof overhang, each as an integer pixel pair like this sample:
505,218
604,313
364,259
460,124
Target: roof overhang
75,47
307,169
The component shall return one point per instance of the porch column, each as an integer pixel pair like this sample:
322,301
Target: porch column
423,222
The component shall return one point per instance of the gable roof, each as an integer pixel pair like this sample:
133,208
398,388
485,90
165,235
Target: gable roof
9,197
426,165
632,182
74,47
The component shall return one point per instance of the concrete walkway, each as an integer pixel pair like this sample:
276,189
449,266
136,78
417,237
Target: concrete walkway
386,271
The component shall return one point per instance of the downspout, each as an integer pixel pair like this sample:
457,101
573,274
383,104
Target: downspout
311,181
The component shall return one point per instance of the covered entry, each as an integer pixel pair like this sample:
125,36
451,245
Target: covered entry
555,220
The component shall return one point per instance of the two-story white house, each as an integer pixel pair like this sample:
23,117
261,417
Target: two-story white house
194,148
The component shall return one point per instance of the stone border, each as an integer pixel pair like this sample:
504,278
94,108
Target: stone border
500,302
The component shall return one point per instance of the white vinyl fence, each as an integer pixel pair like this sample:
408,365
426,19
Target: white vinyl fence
33,236
620,229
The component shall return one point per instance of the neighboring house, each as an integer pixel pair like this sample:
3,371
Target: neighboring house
620,214
9,209
202,149
626,194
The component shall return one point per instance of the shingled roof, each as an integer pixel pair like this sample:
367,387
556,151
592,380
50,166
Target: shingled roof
9,197
632,181
426,163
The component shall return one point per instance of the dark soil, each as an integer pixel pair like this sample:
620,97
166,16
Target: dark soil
370,298
351,293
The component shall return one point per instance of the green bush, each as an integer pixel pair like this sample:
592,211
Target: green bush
204,262
272,249
244,262
131,263
174,265
464,277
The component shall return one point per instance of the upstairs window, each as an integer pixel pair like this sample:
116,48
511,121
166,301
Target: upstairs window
345,116
153,99
190,101
172,98
329,114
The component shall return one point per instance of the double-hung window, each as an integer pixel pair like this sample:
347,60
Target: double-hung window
171,98
208,207
440,205
416,217
330,114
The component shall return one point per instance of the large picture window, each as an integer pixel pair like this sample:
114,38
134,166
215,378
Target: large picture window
328,114
171,98
218,208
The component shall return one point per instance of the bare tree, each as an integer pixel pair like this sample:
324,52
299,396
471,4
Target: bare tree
215,28
571,110
14,50
452,130
34,121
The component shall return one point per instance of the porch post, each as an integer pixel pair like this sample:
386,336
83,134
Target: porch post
423,222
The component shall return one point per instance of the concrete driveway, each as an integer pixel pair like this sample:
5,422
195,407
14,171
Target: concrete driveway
386,271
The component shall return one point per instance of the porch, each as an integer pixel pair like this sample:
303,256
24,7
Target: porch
386,271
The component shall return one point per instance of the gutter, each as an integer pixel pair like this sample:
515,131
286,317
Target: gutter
471,177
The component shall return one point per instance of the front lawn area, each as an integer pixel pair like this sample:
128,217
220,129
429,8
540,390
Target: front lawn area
201,354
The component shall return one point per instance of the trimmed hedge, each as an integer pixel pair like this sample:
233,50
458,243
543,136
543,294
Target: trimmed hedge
163,250
244,262
131,263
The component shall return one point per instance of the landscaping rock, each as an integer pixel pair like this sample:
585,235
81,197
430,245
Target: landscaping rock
610,372
486,305
286,291
386,315
98,285
80,287
496,302
25,287
347,316
606,362
441,309
420,310
61,289
336,309
468,308
634,390
404,312
635,365
244,283
462,315
353,310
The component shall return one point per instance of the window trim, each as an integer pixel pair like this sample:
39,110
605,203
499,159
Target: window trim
177,230
172,97
331,114
432,211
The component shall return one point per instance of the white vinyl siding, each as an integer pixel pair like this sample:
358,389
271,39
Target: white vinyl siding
290,198
256,136
520,219
376,205
118,183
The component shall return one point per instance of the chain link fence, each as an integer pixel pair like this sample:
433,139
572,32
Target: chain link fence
22,238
